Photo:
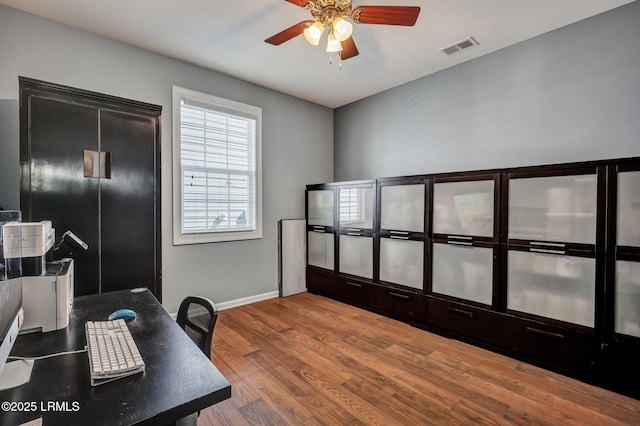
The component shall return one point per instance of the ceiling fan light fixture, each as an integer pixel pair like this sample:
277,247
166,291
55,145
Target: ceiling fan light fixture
339,16
333,44
342,29
313,33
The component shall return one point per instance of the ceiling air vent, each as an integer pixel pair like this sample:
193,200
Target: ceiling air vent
459,46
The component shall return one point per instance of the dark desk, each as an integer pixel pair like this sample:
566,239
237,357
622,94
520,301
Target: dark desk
178,379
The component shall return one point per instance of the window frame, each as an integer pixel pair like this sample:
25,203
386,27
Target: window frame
219,105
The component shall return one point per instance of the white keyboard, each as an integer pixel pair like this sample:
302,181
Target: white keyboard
112,351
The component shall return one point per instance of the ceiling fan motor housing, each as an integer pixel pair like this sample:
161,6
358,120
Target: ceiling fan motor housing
331,13
326,11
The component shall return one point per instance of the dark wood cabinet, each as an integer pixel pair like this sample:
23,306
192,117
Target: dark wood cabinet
618,366
540,263
90,163
354,291
321,282
400,304
560,348
464,321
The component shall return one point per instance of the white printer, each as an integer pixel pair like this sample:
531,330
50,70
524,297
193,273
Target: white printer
47,288
47,299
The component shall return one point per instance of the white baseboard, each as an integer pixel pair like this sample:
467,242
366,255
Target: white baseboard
235,303
247,300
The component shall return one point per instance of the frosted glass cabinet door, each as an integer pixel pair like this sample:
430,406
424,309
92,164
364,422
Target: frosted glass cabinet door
552,286
555,208
629,209
401,262
628,298
402,207
356,207
463,208
356,256
320,248
464,272
320,205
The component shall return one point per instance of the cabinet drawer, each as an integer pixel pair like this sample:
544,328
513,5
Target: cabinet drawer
402,304
620,368
354,292
321,282
562,348
464,320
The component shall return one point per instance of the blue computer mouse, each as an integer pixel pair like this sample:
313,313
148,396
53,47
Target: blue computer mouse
125,314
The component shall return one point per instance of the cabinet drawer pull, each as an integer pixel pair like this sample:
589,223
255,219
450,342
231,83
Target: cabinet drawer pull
354,284
535,250
354,230
398,295
555,336
461,312
459,237
398,237
399,232
354,234
541,243
460,244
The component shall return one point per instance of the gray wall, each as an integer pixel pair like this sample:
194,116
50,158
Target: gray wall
297,143
9,154
569,95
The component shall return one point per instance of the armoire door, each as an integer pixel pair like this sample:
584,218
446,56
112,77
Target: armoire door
127,219
90,164
54,187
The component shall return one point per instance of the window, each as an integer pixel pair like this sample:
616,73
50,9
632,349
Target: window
216,173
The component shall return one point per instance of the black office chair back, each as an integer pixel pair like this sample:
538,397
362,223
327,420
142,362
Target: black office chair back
199,326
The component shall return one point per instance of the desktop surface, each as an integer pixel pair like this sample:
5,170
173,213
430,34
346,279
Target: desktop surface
178,379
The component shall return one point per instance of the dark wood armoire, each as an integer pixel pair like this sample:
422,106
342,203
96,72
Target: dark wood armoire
90,163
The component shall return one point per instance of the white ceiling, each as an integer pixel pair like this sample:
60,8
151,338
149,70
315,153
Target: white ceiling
228,36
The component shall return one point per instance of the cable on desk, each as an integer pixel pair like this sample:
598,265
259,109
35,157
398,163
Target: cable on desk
35,358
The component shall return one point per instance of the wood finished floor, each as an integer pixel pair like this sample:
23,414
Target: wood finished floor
308,360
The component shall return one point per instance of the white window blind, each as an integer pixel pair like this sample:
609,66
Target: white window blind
219,170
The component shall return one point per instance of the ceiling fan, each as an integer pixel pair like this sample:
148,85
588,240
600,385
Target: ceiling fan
332,14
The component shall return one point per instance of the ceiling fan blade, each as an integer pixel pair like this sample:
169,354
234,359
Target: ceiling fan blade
386,15
301,3
349,49
289,33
